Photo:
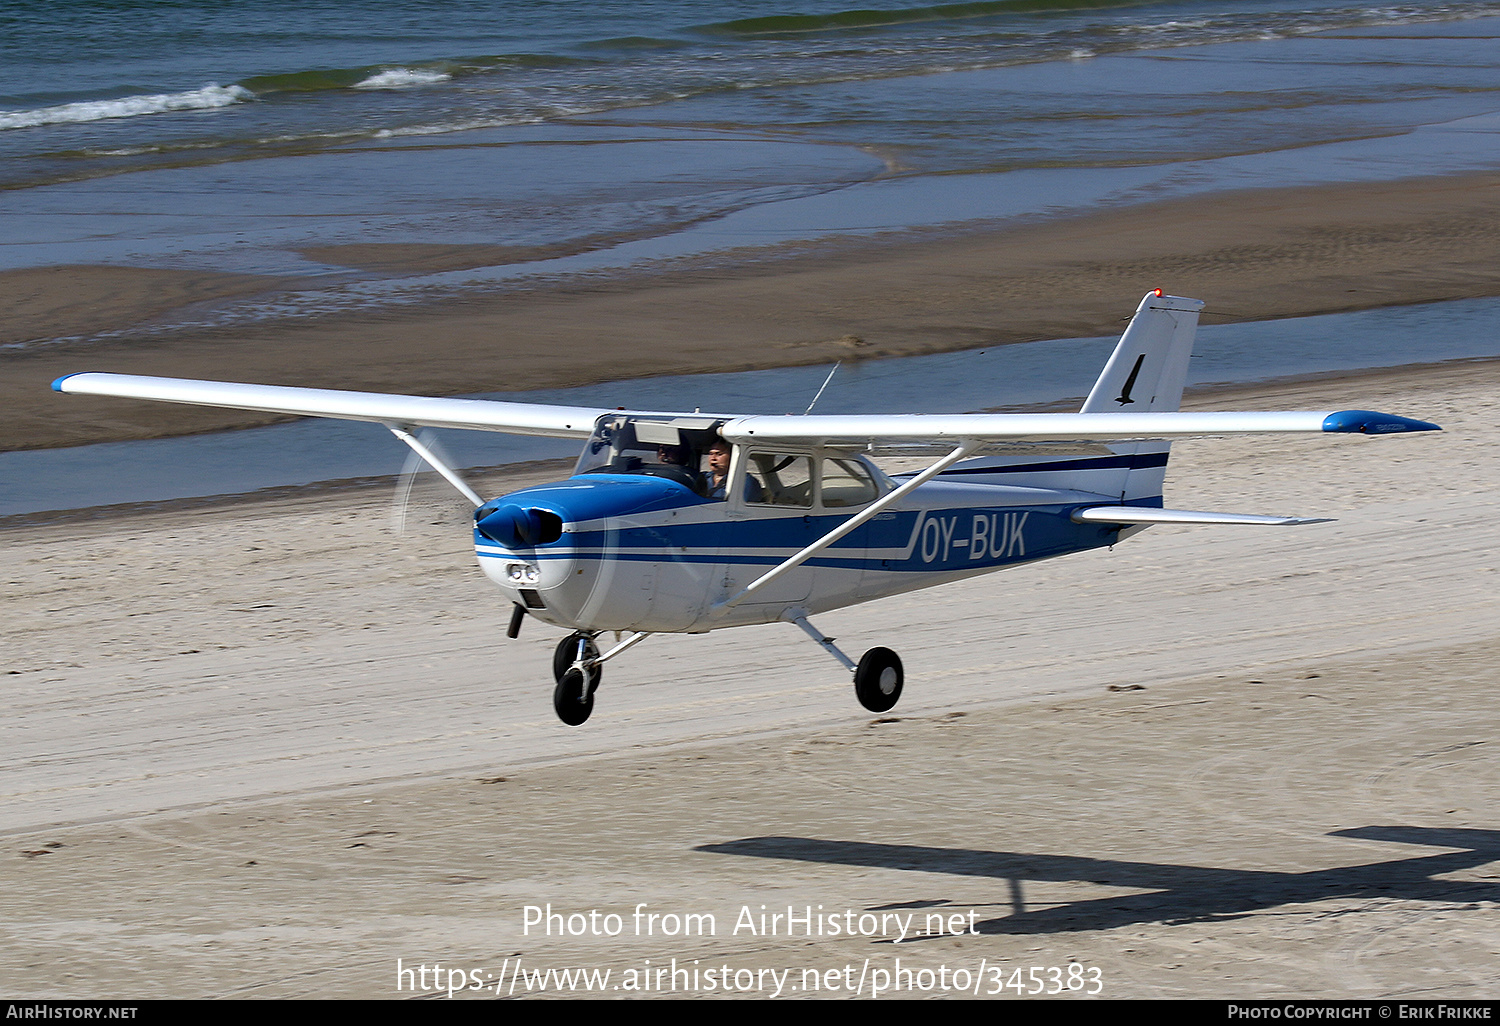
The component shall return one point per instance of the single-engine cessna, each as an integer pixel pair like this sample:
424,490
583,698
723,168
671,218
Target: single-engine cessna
687,523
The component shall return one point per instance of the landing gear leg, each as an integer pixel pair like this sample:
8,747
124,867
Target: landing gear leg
578,667
877,678
569,653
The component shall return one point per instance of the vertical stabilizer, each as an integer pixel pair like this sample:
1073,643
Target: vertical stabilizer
1145,374
1147,370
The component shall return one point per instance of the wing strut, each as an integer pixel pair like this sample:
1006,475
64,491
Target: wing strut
966,449
449,474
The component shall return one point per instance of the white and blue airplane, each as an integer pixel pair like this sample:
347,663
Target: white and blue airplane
788,517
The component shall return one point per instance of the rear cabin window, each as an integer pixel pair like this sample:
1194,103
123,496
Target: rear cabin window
786,479
846,482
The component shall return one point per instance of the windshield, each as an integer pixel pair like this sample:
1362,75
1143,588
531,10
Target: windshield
670,447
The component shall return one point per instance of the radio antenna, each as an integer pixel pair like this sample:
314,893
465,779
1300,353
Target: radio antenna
825,385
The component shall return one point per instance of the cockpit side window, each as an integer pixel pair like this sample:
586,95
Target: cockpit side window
783,479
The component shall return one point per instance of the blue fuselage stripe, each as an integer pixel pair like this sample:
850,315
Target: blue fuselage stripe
902,541
1137,461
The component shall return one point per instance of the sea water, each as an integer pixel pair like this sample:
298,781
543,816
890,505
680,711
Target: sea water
240,137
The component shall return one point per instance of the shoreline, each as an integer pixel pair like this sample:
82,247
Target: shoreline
1253,255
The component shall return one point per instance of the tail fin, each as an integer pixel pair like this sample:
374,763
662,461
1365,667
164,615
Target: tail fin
1147,370
1145,374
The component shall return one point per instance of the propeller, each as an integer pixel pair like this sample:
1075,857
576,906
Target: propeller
415,464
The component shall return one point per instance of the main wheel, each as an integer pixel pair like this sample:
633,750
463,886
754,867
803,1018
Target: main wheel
566,654
878,679
572,699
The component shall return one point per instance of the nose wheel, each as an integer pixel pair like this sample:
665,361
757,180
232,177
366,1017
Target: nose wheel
572,699
575,666
578,667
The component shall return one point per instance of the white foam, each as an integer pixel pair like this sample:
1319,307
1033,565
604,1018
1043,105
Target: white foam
208,97
402,78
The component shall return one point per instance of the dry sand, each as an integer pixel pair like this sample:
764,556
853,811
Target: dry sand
1254,255
267,749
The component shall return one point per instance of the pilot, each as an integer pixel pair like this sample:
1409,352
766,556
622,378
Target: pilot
673,455
717,477
680,459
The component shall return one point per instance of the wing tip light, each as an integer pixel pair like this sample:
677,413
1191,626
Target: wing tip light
1368,422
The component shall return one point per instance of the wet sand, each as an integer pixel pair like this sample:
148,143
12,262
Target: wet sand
1252,255
267,748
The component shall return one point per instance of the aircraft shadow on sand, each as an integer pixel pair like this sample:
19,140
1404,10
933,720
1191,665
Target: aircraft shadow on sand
1177,893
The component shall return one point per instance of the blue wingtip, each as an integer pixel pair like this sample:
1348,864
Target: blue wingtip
57,385
1368,422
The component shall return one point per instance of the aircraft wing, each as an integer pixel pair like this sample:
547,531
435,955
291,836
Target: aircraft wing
861,430
377,407
1061,427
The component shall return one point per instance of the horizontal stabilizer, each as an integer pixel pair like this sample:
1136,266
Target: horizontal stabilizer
1151,515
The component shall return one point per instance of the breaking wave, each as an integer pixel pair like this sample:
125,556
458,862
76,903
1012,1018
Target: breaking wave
207,98
1291,19
385,76
402,78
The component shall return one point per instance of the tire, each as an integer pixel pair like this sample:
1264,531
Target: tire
878,680
571,699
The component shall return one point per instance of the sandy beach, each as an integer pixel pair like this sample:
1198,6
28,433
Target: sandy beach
1254,255
268,748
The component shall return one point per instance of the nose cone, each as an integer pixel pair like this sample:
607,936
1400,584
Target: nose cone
535,516
517,527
